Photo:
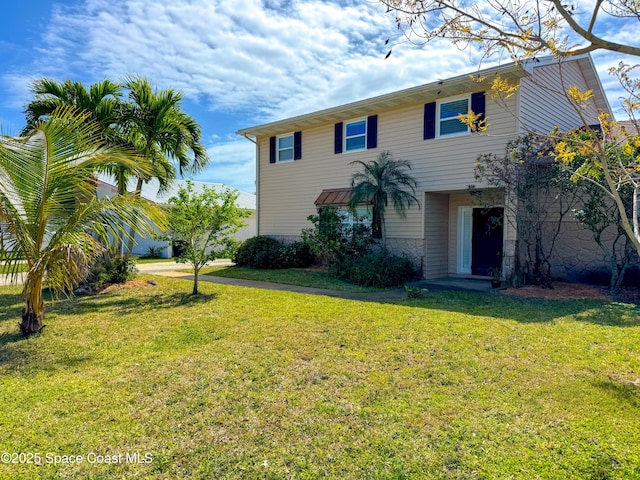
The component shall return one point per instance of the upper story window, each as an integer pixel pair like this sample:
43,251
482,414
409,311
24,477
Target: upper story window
441,117
355,135
285,148
448,122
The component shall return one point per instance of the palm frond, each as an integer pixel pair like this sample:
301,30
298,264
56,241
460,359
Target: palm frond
380,181
48,202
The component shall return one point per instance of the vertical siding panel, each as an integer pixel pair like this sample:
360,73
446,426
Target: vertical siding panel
543,106
436,234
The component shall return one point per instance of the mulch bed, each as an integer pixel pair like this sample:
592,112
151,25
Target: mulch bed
574,291
130,284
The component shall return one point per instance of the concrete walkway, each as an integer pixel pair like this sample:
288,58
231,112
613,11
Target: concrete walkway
385,296
171,269
162,267
456,283
5,280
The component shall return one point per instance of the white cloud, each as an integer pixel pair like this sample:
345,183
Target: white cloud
232,163
266,59
17,89
287,57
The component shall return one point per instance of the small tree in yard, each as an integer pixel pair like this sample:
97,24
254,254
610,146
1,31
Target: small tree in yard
49,211
538,195
206,222
601,215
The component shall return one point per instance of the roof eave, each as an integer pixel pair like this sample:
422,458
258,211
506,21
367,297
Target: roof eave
423,93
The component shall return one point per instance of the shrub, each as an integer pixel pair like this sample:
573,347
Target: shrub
415,292
154,251
296,255
326,236
349,254
258,252
109,267
373,269
329,239
267,252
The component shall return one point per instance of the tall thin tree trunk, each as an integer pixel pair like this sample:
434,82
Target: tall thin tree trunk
196,271
132,231
122,191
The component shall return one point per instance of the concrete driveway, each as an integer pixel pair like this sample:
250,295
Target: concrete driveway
163,267
152,268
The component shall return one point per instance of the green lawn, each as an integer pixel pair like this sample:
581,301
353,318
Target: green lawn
288,276
246,383
6,269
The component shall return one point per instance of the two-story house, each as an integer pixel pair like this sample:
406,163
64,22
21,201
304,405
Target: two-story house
305,162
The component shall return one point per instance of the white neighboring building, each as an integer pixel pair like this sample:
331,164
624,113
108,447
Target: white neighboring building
246,201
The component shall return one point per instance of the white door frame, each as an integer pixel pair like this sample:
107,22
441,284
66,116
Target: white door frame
465,244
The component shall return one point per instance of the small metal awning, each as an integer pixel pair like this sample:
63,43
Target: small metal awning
335,196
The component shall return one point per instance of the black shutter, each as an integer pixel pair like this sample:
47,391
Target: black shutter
372,131
337,143
478,104
297,145
429,130
272,150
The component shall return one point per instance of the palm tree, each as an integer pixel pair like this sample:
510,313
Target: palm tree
381,180
161,132
48,205
102,101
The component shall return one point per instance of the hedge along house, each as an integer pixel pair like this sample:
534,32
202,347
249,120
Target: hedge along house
303,162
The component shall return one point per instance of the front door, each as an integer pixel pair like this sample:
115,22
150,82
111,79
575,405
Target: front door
480,240
487,239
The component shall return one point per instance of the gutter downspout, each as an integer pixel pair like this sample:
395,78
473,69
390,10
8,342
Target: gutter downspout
255,142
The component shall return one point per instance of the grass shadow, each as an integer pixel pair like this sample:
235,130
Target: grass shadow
7,338
529,310
115,302
491,304
613,314
622,391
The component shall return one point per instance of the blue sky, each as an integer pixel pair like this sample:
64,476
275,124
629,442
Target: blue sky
238,63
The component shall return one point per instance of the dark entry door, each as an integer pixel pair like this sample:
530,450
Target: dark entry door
486,251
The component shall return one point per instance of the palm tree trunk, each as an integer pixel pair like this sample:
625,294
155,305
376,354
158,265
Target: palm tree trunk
122,191
32,320
132,232
33,313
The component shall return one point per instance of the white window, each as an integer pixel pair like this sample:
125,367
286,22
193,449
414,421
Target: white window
355,135
349,219
448,122
284,148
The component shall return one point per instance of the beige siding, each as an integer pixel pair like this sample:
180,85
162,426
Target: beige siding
288,190
443,168
543,105
436,234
